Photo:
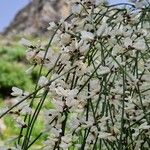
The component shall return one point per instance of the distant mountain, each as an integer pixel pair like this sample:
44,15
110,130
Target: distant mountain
33,19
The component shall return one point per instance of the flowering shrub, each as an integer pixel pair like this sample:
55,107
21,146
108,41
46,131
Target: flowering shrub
97,80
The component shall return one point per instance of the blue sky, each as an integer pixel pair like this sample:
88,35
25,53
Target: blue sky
8,9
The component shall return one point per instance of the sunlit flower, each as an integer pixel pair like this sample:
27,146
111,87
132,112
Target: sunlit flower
76,8
104,135
16,91
98,77
87,35
52,26
144,126
42,81
103,70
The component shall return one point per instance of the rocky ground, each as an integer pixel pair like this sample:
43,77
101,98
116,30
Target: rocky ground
33,19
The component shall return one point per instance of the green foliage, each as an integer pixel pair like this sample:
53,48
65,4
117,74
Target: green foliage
13,74
14,53
12,130
12,69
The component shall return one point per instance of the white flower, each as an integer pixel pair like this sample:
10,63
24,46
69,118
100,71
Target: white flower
58,104
25,42
84,47
140,44
16,91
65,141
127,42
26,110
99,2
117,49
50,114
89,84
40,56
42,81
65,38
74,123
67,93
52,26
55,131
64,145
20,122
104,135
76,8
61,91
82,68
144,126
72,93
66,138
87,35
87,123
101,29
71,102
50,143
30,54
103,70
119,18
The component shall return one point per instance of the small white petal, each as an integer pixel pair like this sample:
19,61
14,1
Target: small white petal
76,9
52,26
104,135
87,35
42,81
103,70
16,91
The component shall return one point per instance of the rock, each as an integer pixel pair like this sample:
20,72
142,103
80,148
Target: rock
33,19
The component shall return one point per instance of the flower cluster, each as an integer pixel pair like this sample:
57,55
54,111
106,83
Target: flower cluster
97,82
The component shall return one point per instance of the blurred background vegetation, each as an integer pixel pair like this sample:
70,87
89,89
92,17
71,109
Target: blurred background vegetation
12,68
13,65
30,22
